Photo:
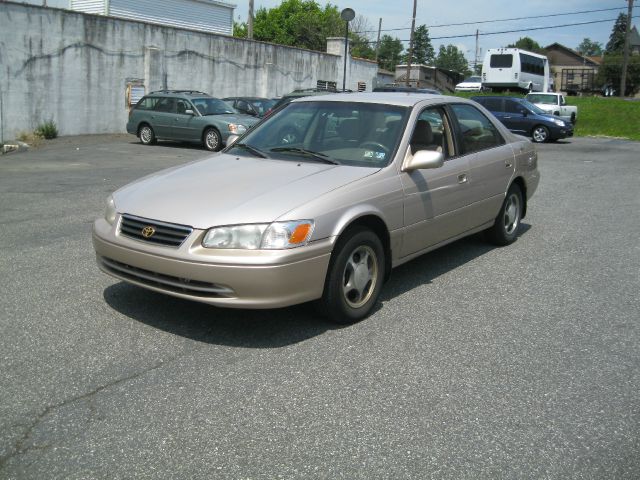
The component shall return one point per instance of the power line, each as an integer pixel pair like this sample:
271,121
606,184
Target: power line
519,30
498,20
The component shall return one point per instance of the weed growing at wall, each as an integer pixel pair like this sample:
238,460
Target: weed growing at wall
47,130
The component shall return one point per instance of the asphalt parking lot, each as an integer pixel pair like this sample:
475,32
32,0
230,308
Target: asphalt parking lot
481,362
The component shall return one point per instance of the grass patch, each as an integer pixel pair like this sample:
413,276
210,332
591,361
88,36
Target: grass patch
47,130
601,116
607,116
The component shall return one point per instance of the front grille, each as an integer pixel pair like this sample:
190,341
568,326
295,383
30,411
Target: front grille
168,234
165,282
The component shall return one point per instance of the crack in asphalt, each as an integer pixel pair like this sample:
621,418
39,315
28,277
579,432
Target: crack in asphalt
19,447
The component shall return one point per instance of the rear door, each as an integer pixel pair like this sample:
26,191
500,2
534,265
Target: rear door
163,116
491,163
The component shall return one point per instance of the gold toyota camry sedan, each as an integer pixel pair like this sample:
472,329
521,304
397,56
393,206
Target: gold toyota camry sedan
319,202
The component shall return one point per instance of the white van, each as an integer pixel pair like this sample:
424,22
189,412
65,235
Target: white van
515,69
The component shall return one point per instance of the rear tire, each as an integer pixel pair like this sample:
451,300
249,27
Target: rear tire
147,135
505,228
354,278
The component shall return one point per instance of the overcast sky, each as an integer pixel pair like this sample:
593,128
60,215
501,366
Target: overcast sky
397,14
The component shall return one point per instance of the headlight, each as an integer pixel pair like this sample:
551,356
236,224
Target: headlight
560,123
237,128
275,236
110,212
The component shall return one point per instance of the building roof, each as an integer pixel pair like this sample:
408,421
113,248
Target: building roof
572,53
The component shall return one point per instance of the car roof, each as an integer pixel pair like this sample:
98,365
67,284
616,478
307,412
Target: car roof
404,99
180,93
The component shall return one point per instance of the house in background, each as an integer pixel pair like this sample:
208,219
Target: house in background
571,72
213,16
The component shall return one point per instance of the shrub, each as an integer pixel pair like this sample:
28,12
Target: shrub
47,130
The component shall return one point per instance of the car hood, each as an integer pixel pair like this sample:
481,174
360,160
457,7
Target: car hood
469,84
226,190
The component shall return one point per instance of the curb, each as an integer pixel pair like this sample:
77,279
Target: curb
14,147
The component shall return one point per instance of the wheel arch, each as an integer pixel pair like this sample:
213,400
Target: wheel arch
377,225
519,181
142,124
207,127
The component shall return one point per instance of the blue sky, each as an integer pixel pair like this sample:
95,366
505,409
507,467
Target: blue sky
397,14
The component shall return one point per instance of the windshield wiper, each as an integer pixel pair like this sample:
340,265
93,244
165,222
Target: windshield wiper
321,157
253,150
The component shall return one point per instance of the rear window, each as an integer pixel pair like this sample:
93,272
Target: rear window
147,103
501,61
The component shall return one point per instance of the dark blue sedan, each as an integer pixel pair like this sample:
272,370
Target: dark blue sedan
524,118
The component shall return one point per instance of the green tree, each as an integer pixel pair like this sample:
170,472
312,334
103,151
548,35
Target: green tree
450,58
360,38
389,52
240,29
589,48
423,51
616,39
610,72
527,43
300,23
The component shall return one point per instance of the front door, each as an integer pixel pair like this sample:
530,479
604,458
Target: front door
435,199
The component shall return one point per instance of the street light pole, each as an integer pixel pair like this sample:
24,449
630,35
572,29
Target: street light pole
347,15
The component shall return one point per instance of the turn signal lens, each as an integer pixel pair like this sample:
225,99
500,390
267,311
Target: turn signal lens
300,234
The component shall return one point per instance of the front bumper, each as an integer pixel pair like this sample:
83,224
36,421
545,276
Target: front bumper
231,278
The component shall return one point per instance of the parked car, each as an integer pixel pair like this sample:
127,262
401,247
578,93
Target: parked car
404,88
186,115
555,104
471,84
254,106
524,118
303,92
376,180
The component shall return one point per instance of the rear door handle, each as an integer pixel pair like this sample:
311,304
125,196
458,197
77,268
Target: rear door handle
462,178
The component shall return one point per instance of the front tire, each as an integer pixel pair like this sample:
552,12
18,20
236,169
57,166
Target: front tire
147,135
540,134
355,277
212,140
505,228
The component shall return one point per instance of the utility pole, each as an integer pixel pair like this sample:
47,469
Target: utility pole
378,41
250,22
625,60
413,27
475,62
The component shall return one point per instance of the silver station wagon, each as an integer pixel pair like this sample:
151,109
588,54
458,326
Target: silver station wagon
319,202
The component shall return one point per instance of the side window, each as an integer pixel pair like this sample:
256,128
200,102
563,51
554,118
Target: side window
166,105
432,132
182,106
492,104
242,106
476,132
147,103
512,107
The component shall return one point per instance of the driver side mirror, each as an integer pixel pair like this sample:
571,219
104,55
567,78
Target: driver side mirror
189,112
424,159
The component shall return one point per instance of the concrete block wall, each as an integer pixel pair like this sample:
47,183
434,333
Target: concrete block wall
74,68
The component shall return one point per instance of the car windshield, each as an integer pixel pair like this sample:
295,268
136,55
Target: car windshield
542,98
212,106
345,133
535,109
472,80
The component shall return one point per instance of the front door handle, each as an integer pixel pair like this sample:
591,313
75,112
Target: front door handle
462,178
